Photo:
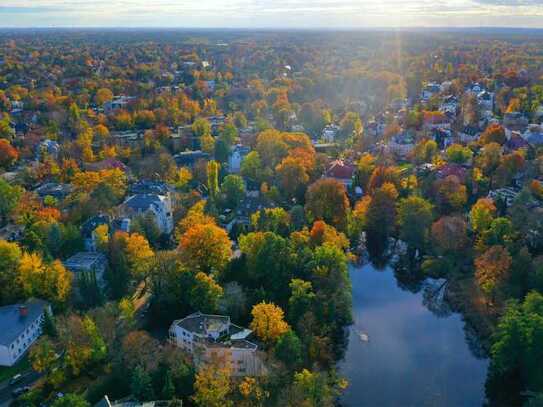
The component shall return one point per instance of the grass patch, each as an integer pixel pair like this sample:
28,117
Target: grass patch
21,366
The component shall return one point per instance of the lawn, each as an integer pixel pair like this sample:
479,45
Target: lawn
7,373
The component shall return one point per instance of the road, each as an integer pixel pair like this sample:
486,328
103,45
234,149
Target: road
28,379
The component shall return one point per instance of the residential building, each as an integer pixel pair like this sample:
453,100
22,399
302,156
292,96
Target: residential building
534,135
88,230
239,152
21,326
57,191
342,172
87,266
329,133
129,402
118,103
214,338
190,158
158,205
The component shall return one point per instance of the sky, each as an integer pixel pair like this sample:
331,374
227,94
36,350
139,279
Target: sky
272,13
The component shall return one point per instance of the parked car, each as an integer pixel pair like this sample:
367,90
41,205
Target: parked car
15,379
20,390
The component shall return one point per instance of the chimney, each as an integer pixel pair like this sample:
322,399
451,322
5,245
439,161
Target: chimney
23,311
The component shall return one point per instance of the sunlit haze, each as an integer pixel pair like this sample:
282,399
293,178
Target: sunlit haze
271,13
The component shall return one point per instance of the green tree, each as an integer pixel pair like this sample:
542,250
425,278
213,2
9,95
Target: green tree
71,400
9,198
289,350
141,384
415,218
233,189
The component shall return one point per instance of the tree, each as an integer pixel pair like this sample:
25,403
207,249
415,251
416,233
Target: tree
312,389
201,127
289,350
494,133
42,355
450,195
212,387
301,299
449,234
350,125
9,198
233,189
326,199
482,214
206,247
194,216
251,167
459,154
415,218
141,384
492,269
71,400
292,177
103,95
205,293
381,217
139,255
268,322
515,354
10,258
364,169
275,220
8,153
213,178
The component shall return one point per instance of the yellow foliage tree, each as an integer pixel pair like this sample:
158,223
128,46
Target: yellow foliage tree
268,322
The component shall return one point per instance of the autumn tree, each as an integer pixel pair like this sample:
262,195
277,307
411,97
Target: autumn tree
103,95
494,133
206,247
458,154
8,153
268,322
326,199
212,387
492,269
482,214
450,235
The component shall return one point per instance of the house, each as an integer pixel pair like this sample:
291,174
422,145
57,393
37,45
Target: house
88,230
21,326
189,158
449,104
57,191
516,142
47,148
430,90
401,144
485,100
341,171
239,152
118,103
515,121
105,402
127,138
469,134
329,133
506,195
160,206
436,120
87,266
534,135
211,338
106,164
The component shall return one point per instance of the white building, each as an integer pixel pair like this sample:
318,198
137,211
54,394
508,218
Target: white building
21,325
214,338
239,152
160,206
87,266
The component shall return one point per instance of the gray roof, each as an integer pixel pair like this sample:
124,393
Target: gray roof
13,324
142,202
84,261
198,323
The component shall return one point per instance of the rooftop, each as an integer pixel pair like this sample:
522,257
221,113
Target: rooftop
83,261
12,321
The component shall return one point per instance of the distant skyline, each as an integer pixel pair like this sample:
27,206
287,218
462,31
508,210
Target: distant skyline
272,13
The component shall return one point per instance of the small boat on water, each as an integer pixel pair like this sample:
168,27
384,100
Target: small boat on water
363,336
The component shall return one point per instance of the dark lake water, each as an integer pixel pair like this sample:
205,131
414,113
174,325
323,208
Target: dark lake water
412,357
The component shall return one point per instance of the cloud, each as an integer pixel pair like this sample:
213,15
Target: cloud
272,13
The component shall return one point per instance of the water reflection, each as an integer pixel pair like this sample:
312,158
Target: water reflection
415,352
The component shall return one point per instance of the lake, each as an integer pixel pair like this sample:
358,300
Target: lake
411,357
